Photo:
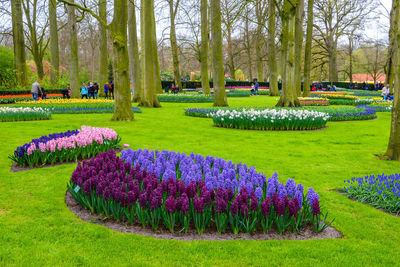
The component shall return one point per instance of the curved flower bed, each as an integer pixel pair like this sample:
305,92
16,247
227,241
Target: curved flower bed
68,146
377,108
180,192
271,119
313,101
66,110
75,106
24,114
181,98
10,99
381,191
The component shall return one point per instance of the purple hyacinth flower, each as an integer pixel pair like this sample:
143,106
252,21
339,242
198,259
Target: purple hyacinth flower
259,193
315,207
170,204
266,206
184,204
198,204
280,209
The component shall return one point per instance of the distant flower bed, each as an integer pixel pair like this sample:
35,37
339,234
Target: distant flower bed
10,99
381,191
271,119
349,114
365,94
69,146
68,101
179,192
313,101
74,106
24,114
377,108
184,98
325,94
84,110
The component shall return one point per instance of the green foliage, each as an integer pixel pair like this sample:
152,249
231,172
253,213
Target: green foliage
24,114
7,73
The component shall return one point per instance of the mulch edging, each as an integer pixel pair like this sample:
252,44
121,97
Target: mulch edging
191,235
16,168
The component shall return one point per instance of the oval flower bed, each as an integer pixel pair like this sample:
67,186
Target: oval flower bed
179,192
377,107
271,119
24,114
381,191
63,147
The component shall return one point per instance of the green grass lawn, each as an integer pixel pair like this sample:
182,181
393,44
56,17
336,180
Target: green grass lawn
36,227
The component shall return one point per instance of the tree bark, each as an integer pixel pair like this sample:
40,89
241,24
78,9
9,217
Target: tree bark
103,54
231,61
393,150
307,53
332,54
351,58
54,51
289,94
122,107
19,43
134,53
259,40
390,55
248,45
149,98
73,42
174,46
298,44
205,83
217,57
157,76
273,68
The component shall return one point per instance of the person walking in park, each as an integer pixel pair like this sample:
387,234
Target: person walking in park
91,90
35,90
96,90
106,90
252,89
84,91
385,92
256,85
111,90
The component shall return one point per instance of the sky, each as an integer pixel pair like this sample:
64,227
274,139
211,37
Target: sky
378,29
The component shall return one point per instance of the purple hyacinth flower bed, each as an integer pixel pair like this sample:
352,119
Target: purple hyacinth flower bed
67,146
176,192
380,191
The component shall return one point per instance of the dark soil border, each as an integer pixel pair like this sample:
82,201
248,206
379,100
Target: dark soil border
191,235
16,168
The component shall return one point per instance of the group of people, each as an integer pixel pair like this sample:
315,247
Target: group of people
317,86
365,86
37,91
91,90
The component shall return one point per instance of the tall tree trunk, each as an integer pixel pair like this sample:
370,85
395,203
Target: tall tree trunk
73,42
289,95
231,61
157,76
54,51
149,98
390,55
248,45
205,83
299,45
134,53
273,68
307,53
122,100
259,41
217,57
393,151
332,54
173,9
351,58
103,55
19,43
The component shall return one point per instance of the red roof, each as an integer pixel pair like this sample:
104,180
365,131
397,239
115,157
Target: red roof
368,78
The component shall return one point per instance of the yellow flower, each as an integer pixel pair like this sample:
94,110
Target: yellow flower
68,101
